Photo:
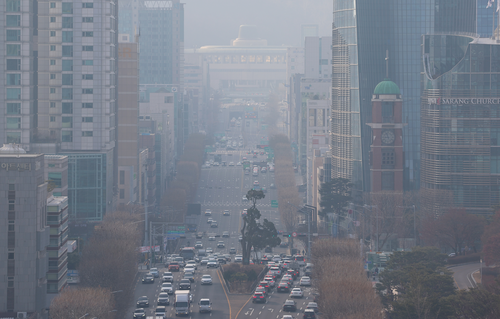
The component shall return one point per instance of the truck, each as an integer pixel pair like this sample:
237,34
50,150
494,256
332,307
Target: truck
182,303
191,222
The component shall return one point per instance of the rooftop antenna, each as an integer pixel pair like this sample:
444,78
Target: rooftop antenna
387,63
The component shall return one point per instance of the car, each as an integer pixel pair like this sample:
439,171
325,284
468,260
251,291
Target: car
142,302
261,289
296,293
226,212
225,234
244,158
210,220
168,277
238,258
161,312
154,272
268,249
198,245
205,305
272,186
256,183
287,317
223,163
231,163
212,264
245,199
270,281
206,280
209,250
283,287
191,264
208,212
259,297
211,238
204,261
309,314
167,287
290,305
174,266
288,278
232,250
185,284
305,281
148,279
240,238
214,224
199,235
189,275
313,306
238,164
244,212
265,284
216,164
220,244
190,268
139,313
271,169
163,299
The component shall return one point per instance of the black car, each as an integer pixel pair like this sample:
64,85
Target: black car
148,279
189,276
289,305
143,302
185,284
139,313
283,287
259,297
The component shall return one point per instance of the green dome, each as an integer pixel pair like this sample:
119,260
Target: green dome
387,87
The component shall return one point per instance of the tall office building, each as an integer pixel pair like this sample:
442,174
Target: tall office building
308,30
460,109
363,31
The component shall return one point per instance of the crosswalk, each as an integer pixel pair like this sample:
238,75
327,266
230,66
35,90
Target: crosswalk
233,203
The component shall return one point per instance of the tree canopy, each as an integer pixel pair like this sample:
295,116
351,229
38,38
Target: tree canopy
335,196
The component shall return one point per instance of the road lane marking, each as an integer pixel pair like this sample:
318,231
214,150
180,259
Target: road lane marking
225,293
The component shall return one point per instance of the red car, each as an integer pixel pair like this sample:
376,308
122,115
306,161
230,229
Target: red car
173,267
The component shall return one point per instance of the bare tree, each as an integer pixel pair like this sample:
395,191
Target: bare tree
387,214
76,303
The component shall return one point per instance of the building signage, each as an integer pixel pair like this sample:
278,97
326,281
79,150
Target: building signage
16,166
472,101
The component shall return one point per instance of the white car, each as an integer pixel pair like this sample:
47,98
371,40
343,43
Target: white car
238,164
245,199
209,250
211,238
305,281
238,258
270,281
212,264
167,287
231,163
189,269
206,280
168,277
191,264
296,293
208,212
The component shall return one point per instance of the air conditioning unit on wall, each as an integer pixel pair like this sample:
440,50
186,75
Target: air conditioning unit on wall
22,315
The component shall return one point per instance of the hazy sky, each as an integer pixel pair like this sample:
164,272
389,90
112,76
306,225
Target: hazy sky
217,22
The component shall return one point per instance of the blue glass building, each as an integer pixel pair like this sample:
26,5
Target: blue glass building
363,32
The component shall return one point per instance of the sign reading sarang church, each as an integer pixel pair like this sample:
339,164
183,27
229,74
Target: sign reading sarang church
462,101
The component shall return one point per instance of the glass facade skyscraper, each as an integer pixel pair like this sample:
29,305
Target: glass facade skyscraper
363,33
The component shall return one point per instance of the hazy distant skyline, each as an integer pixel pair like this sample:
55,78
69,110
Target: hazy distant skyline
217,22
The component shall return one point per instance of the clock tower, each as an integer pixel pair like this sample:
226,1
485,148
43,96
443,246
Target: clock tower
386,150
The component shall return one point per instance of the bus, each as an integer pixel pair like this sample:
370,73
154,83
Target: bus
187,253
255,171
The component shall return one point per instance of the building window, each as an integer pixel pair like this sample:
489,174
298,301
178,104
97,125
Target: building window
52,76
52,90
87,105
67,108
67,136
67,79
14,137
88,19
13,108
52,118
87,91
13,35
52,5
87,48
67,36
13,79
52,19
387,112
52,48
87,133
52,33
13,20
87,33
87,119
122,177
13,93
87,76
13,49
67,7
52,104
87,62
67,93
122,193
67,65
13,5
87,5
13,123
387,181
67,22
169,99
388,158
13,64
56,179
67,122
53,62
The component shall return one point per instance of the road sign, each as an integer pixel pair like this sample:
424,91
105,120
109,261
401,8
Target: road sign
294,234
274,203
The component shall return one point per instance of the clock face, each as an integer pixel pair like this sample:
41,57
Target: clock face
387,137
